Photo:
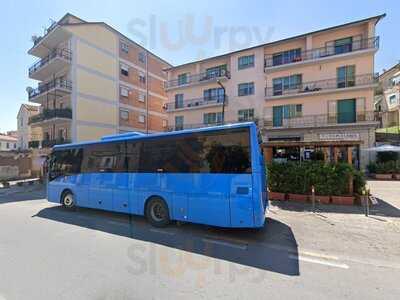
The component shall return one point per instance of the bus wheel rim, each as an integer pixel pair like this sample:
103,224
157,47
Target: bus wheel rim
157,212
68,201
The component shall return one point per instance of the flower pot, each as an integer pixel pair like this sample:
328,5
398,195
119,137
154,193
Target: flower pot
383,176
276,196
396,176
343,200
323,199
298,197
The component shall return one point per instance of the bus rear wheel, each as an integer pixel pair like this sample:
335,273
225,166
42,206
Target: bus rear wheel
68,200
157,212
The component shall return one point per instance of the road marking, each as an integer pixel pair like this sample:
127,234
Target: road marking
162,231
320,255
227,244
319,261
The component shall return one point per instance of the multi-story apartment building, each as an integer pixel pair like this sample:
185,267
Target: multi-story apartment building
310,92
25,133
94,81
388,98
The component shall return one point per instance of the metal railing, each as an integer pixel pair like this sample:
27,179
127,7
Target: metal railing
320,120
196,78
56,83
51,143
201,125
316,53
193,103
61,53
47,31
48,114
321,85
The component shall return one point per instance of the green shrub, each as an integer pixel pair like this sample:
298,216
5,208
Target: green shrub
382,157
371,167
327,179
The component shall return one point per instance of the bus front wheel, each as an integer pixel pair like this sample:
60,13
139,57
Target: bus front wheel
157,212
68,200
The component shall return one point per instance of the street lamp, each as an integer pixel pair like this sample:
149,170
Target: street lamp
223,101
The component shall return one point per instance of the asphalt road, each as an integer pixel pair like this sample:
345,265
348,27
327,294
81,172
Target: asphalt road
47,252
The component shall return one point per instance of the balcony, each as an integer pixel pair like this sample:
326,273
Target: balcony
51,143
205,77
57,88
322,120
321,53
50,64
195,103
48,114
51,39
202,125
321,87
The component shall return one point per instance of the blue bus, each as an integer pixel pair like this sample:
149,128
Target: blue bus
213,175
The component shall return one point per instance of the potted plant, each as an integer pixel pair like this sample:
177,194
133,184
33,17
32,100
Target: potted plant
396,171
384,170
276,181
341,177
297,182
276,196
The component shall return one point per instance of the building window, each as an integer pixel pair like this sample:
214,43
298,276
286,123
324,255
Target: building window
142,77
22,122
346,76
124,92
286,57
124,47
178,122
343,45
142,118
178,100
216,72
7,145
214,94
392,100
142,97
245,89
245,62
280,85
125,70
282,112
246,115
212,118
182,79
124,114
142,57
164,123
346,111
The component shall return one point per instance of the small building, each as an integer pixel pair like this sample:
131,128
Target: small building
8,143
25,133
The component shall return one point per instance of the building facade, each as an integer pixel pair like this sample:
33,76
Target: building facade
8,143
93,81
313,92
25,133
387,100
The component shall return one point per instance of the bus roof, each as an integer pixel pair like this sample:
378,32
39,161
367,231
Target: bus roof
140,136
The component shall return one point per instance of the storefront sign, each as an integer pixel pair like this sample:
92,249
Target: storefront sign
339,137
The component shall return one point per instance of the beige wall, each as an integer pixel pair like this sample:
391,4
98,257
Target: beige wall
87,133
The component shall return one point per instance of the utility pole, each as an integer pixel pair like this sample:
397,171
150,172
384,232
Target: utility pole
223,101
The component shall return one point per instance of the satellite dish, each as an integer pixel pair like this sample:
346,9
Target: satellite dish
29,89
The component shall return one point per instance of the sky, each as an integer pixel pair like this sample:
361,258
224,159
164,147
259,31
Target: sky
181,31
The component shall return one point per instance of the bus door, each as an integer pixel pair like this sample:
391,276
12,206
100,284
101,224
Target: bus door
241,200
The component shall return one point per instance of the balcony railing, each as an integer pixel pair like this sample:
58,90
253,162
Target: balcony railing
320,120
201,125
51,143
322,85
48,114
194,103
316,53
54,84
61,53
197,78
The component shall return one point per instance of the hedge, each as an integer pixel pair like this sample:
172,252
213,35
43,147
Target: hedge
327,178
387,167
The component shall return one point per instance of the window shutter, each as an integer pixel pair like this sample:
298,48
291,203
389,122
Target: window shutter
332,108
330,47
357,42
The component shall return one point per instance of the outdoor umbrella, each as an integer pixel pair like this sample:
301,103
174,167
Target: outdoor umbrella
384,148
